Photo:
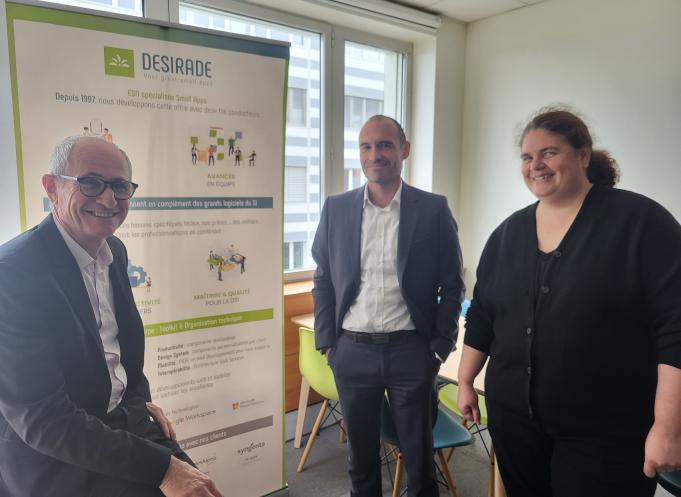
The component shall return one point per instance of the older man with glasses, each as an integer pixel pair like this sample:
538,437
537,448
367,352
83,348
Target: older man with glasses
76,416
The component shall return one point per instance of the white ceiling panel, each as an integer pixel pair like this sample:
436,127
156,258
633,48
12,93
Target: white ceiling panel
468,10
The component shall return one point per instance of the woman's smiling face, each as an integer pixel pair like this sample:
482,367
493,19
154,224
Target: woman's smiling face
551,168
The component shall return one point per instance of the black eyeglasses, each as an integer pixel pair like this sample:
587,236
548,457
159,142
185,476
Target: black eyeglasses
92,186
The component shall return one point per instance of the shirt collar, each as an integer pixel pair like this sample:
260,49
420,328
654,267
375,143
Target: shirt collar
83,259
395,201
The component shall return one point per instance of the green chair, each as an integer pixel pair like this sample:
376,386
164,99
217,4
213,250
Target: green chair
447,434
671,482
316,371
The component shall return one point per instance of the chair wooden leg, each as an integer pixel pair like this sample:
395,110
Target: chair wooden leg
450,453
313,435
302,408
341,432
445,471
492,463
398,476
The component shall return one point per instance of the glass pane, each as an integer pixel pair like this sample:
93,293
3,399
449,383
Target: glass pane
296,106
287,256
128,7
374,84
298,251
303,157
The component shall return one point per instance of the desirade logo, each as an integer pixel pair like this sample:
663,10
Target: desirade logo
119,62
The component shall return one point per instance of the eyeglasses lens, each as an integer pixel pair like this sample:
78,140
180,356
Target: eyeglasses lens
93,187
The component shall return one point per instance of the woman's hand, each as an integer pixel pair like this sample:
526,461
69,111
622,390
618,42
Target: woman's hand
663,444
472,361
663,451
467,400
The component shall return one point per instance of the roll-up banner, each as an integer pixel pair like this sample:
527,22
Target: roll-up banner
201,117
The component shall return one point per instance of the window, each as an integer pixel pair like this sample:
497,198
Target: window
358,110
296,107
374,84
128,7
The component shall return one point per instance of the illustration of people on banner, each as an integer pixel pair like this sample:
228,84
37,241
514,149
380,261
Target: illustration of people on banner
226,260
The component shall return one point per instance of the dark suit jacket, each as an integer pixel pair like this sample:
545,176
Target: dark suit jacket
54,382
429,265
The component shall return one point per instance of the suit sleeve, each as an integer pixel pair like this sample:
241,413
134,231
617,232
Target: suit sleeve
451,291
34,401
323,292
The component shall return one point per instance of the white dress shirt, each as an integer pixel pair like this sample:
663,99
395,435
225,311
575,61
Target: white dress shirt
95,273
379,306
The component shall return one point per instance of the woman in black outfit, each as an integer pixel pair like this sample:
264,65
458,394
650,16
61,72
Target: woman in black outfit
578,305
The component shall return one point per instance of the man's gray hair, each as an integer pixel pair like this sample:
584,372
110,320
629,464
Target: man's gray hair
60,156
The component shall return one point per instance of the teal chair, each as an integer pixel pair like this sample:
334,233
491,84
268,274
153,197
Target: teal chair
671,482
315,369
447,434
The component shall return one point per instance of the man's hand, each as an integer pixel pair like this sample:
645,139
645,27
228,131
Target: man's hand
184,480
159,416
663,451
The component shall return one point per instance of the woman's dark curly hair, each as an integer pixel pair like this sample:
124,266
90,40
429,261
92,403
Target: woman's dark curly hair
602,169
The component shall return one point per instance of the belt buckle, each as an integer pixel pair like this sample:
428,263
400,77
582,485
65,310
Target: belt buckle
381,338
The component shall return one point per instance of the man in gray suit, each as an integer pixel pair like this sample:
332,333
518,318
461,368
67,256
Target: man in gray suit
387,295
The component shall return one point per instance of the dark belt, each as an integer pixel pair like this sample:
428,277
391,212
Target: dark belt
376,338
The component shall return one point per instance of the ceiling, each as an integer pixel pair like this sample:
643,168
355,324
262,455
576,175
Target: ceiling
467,10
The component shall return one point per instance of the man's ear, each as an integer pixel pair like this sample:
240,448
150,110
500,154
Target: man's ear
584,155
405,150
50,185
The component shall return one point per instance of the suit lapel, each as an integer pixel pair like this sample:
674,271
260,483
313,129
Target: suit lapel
69,278
122,302
408,218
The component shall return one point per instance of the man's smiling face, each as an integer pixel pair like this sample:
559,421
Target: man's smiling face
89,220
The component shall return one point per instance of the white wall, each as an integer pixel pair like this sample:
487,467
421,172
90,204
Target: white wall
437,112
618,62
448,112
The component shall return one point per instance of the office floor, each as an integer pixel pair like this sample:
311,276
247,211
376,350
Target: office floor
325,474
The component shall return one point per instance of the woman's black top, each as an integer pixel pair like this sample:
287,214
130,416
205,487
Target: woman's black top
575,340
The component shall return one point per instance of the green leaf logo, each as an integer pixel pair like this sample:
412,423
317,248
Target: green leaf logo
119,62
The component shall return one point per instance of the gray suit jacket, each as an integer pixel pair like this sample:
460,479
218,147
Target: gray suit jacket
54,382
429,266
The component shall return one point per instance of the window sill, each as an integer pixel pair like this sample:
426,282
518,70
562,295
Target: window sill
298,287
